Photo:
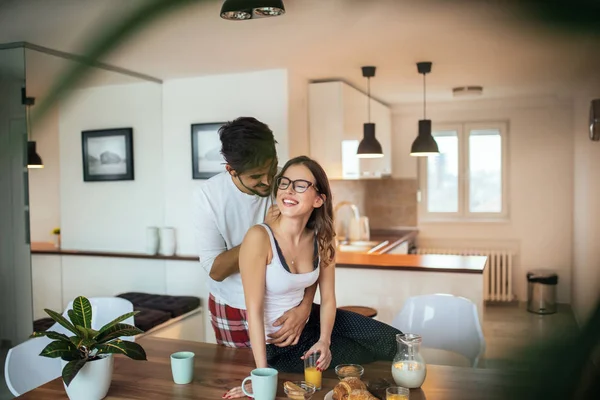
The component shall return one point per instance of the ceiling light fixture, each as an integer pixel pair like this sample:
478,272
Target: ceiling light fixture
240,10
369,147
465,91
424,145
33,158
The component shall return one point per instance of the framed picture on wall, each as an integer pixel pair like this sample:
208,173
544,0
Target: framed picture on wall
207,160
107,154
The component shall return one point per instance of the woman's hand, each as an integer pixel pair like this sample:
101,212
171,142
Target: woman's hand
237,392
325,359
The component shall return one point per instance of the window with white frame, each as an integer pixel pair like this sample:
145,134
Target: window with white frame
468,179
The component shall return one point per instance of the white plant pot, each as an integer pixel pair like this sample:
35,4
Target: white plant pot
57,241
92,381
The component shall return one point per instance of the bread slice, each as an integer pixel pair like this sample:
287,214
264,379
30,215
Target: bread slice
294,391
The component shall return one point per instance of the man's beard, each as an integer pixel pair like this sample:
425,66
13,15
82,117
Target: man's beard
253,191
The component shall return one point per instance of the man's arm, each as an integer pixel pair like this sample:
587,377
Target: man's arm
293,320
214,257
225,264
309,297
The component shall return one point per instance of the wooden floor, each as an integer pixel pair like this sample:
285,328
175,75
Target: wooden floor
507,329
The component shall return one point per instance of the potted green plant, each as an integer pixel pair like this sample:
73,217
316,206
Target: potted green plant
56,233
87,355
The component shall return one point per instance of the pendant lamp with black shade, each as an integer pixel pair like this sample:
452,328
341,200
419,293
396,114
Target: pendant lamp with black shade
424,145
369,147
241,10
33,158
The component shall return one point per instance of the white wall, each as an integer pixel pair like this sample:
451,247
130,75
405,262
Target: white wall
262,95
586,212
540,153
111,216
297,110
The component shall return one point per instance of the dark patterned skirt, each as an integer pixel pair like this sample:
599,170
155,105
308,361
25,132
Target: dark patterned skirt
355,339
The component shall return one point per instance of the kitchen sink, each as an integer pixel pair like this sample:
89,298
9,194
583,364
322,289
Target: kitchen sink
359,246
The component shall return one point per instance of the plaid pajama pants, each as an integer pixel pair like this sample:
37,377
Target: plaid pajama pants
230,324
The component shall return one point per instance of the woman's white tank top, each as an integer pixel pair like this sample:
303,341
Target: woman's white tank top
283,290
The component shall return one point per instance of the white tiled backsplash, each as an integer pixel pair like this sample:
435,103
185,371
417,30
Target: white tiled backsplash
388,203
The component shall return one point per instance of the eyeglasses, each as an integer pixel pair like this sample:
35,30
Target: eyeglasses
299,185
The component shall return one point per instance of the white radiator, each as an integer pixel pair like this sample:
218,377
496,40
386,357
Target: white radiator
497,276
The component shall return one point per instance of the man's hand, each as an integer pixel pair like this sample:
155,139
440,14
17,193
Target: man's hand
292,323
272,214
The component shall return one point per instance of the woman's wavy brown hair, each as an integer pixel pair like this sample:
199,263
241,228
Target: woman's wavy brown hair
321,219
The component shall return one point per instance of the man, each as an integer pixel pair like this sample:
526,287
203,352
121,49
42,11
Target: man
225,207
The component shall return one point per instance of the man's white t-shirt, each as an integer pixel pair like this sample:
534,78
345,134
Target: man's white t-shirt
222,216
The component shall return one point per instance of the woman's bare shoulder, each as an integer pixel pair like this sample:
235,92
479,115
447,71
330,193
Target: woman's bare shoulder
257,243
256,236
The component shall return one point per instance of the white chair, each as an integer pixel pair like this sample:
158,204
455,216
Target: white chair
25,369
444,322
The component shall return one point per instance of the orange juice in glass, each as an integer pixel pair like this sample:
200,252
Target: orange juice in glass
397,393
311,373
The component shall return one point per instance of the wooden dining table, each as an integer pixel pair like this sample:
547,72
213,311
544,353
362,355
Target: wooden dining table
218,369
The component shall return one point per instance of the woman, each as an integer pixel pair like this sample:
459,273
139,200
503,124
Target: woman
279,261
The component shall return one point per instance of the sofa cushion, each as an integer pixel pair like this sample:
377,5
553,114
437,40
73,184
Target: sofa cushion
136,298
175,305
148,318
42,324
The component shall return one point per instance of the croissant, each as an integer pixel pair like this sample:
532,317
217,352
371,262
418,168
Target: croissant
359,394
347,386
339,393
354,383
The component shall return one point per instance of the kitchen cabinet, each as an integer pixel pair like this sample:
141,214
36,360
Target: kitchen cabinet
337,112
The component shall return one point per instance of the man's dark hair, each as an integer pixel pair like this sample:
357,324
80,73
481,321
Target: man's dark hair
247,143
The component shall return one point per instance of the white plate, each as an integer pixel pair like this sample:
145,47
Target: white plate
329,396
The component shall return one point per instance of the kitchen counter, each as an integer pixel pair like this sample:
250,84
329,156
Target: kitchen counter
413,262
381,281
377,260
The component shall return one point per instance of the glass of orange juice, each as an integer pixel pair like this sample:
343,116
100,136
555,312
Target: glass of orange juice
397,393
311,373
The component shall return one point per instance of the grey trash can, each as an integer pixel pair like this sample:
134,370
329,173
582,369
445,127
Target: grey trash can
541,291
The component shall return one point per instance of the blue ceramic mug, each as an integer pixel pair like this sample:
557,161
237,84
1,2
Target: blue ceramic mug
264,384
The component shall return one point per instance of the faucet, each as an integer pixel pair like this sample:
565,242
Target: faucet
335,212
